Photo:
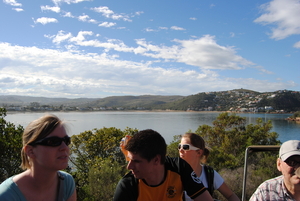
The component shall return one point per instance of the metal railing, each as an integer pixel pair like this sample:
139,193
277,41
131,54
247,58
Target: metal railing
251,149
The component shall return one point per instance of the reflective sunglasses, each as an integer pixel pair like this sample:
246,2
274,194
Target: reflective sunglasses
187,147
52,141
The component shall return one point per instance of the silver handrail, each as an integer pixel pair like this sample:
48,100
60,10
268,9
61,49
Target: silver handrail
250,149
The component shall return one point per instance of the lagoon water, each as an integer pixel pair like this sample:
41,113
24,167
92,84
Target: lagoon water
166,123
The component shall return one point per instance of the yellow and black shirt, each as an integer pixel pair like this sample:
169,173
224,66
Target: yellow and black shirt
179,177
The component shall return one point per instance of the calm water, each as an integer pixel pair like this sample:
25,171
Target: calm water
166,123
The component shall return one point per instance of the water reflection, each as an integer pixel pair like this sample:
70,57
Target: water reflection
166,123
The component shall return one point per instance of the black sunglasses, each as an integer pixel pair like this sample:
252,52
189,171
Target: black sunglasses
187,147
52,141
292,163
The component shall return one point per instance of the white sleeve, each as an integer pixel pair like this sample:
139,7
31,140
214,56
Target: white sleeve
218,180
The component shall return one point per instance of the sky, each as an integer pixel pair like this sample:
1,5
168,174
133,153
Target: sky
101,48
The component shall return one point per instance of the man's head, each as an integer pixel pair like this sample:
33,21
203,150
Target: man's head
288,162
148,144
289,148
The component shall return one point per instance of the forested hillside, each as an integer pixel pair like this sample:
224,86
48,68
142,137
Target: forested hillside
238,100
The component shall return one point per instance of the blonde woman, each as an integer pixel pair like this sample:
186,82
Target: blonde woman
192,149
45,152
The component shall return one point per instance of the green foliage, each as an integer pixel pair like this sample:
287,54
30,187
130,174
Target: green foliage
230,136
104,173
172,149
11,145
295,115
91,148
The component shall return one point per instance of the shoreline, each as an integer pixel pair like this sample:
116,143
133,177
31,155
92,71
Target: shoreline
63,111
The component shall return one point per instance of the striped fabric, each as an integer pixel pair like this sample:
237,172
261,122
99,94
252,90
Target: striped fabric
272,190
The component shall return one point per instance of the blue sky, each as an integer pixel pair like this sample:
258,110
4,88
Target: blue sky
95,49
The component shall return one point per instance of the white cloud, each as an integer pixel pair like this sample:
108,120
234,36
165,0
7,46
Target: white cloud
57,2
33,71
106,12
45,20
284,15
68,14
165,28
18,9
81,36
264,71
55,9
107,24
139,12
60,37
92,21
202,52
177,28
149,30
297,45
83,18
193,18
12,2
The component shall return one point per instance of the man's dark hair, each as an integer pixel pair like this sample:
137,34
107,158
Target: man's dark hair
148,143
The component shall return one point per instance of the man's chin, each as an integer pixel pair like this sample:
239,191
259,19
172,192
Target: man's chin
135,175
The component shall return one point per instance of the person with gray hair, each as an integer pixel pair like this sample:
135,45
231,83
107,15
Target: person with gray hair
286,186
44,154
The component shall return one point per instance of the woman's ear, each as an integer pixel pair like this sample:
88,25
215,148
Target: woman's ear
28,149
200,152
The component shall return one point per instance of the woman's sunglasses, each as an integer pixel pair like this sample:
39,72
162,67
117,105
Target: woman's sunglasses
187,147
52,141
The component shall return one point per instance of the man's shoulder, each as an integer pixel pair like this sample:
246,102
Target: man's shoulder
175,161
127,188
129,179
272,183
274,180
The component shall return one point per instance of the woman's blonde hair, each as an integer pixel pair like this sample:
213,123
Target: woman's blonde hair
197,141
37,130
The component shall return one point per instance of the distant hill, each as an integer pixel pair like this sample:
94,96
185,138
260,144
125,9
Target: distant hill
112,101
27,100
233,100
145,101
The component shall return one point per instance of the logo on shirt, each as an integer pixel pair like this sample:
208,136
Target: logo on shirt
195,178
171,192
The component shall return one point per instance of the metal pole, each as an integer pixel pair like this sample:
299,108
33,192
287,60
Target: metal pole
245,174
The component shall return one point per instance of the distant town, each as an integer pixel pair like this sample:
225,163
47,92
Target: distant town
238,100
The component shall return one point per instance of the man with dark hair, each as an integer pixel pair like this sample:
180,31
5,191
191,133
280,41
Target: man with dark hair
154,176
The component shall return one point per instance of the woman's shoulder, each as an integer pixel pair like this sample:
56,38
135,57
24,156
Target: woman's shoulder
9,190
8,182
65,175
